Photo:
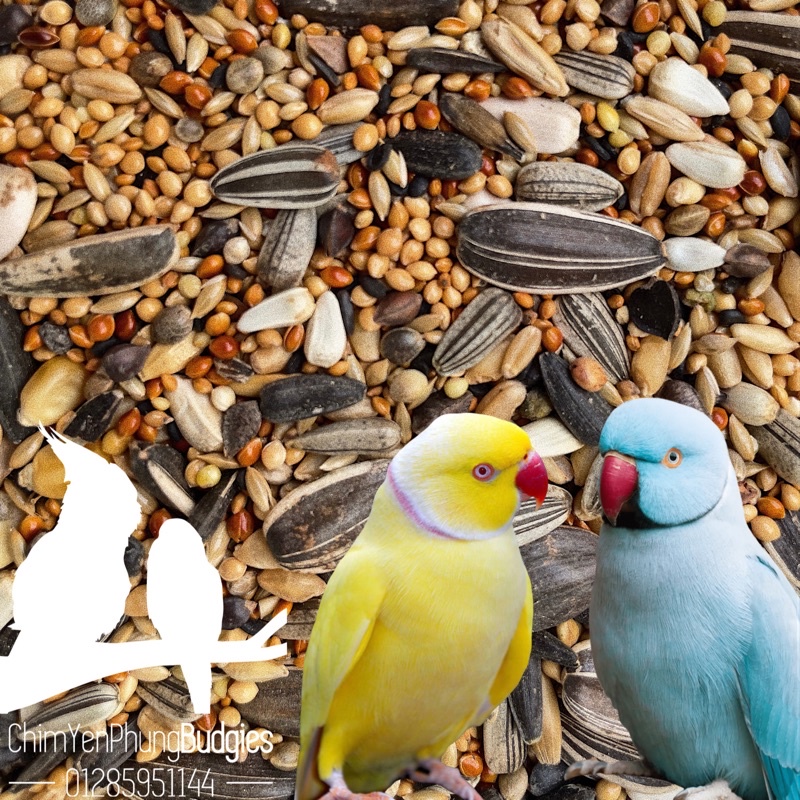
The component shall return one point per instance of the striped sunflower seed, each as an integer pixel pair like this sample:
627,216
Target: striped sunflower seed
567,183
291,176
532,523
489,318
534,247
589,329
365,436
289,242
771,40
82,707
609,77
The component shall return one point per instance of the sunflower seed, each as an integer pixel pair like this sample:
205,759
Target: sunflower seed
438,154
589,329
100,264
688,254
445,61
778,175
213,507
169,697
352,14
289,307
16,368
708,162
93,418
567,183
437,405
83,707
278,708
18,190
471,119
551,438
198,420
314,525
786,549
289,242
532,523
540,248
240,424
604,76
302,396
561,566
291,176
364,436
771,40
673,81
521,54
584,413
779,445
486,320
160,469
655,308
503,745
525,703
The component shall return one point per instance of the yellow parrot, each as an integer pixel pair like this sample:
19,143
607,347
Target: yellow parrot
425,625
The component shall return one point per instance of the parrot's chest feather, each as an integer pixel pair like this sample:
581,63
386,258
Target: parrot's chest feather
657,623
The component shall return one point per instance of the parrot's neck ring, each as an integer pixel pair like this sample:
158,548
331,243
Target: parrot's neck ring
407,504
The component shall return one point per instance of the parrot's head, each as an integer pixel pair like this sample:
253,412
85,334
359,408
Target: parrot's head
664,464
461,478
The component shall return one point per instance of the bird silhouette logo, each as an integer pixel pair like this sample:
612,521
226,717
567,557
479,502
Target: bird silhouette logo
81,564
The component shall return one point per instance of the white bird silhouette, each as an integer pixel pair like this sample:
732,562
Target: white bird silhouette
184,602
73,583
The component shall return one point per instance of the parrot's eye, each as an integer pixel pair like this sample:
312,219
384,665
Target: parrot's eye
673,458
483,472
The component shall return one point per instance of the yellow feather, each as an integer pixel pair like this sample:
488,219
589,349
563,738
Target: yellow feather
415,639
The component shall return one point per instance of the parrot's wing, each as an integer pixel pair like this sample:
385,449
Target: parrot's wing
768,678
517,655
344,623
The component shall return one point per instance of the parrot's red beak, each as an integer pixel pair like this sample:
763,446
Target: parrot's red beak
532,477
617,483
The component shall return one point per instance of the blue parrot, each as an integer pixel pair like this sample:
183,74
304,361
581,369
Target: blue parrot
695,632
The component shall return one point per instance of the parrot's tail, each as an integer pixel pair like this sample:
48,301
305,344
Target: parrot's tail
308,785
198,678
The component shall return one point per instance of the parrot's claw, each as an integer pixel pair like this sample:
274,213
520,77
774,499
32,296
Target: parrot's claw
432,771
339,790
718,790
594,769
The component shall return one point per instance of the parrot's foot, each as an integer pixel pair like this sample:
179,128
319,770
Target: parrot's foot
718,790
432,771
339,790
595,769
